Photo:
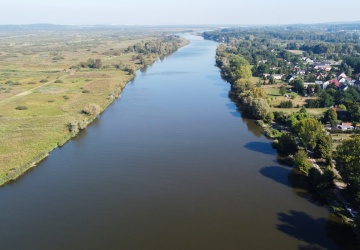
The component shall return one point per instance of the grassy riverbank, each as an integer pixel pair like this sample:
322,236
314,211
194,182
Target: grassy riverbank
54,84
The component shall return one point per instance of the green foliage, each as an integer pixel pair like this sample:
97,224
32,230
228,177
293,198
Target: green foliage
260,108
330,117
286,144
342,107
44,80
300,160
58,81
272,80
282,90
354,112
308,130
323,148
258,92
280,117
94,63
286,104
347,159
298,85
239,68
321,182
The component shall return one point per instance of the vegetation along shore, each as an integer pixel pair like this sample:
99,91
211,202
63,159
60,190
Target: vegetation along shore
53,83
303,88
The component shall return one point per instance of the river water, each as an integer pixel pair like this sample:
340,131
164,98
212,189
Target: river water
169,165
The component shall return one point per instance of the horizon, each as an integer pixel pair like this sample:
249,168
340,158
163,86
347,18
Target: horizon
161,12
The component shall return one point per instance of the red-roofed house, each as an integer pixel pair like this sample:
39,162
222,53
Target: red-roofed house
334,82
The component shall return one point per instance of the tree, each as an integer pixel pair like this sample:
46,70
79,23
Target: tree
342,107
300,160
347,159
239,68
326,100
94,64
258,92
321,182
272,80
308,131
286,144
298,85
317,89
282,90
330,116
354,112
260,108
323,148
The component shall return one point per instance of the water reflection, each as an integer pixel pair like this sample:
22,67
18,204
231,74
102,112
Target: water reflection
304,227
261,147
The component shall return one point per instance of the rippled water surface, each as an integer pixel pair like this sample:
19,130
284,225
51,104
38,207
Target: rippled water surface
170,165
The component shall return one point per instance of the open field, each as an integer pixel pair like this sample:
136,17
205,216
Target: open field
46,84
275,98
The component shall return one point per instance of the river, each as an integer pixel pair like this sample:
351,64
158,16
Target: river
169,165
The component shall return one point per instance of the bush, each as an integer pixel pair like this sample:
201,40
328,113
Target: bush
44,80
21,108
31,82
12,83
92,109
66,97
286,104
86,91
58,81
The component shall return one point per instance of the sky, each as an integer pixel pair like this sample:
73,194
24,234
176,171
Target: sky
182,12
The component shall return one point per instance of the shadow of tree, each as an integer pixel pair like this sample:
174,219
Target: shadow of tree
292,178
305,228
278,174
261,147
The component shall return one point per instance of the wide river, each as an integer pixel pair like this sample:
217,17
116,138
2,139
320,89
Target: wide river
169,165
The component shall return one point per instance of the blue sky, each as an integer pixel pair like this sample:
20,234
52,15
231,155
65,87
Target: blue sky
162,12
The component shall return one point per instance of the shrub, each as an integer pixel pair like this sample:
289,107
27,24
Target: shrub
21,108
286,104
92,109
44,80
51,101
58,81
12,83
86,91
31,82
66,97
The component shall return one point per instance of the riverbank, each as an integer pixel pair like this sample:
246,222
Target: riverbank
48,95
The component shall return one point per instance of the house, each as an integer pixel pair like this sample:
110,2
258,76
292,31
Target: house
341,75
322,66
307,60
306,84
319,76
344,87
333,82
357,85
290,78
301,72
345,126
277,76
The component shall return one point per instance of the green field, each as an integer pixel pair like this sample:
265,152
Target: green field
43,89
